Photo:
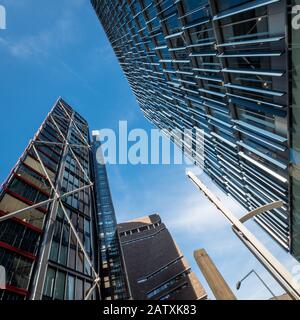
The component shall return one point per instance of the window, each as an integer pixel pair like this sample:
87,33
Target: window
192,4
30,241
80,223
46,160
228,4
168,284
49,152
87,226
59,293
75,203
79,290
18,269
49,283
72,258
87,268
26,191
80,261
74,219
19,236
33,177
70,288
57,230
64,245
87,287
54,251
34,217
63,255
60,212
87,244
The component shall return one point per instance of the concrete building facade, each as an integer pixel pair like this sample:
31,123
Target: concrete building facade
157,270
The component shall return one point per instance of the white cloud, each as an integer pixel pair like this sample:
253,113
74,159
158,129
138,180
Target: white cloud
194,215
40,43
57,33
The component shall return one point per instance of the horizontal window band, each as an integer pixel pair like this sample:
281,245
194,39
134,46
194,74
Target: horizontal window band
281,222
250,170
17,251
263,141
251,54
204,44
209,79
250,35
20,291
25,200
151,275
255,100
260,198
223,149
263,167
277,163
253,179
231,144
222,95
243,8
284,241
27,182
33,156
252,89
193,25
214,101
225,124
207,70
263,132
168,283
214,106
177,49
193,11
165,9
174,35
25,224
248,105
256,41
181,61
205,54
271,73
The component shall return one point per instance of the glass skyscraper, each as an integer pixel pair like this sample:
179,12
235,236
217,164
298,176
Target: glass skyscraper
112,267
223,67
50,235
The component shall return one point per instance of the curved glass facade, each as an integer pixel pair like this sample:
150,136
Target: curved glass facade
295,134
114,281
223,67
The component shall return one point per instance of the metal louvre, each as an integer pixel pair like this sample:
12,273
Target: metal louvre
205,70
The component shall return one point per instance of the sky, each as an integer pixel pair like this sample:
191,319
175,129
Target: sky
58,48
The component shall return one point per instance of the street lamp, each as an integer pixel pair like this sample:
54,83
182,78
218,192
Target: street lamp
276,269
239,283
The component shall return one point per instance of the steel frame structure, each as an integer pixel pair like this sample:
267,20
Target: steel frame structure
57,196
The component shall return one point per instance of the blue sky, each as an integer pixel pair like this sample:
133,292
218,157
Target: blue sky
58,48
